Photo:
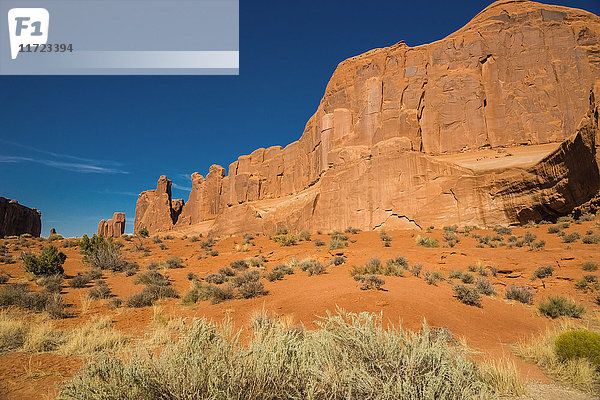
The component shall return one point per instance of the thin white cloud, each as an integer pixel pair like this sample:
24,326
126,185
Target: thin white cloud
86,168
176,186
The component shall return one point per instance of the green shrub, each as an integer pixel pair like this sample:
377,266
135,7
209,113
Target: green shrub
558,306
578,344
589,266
304,236
571,237
174,262
524,294
312,267
216,279
79,281
216,294
369,282
207,244
467,295
286,240
150,294
257,262
484,287
432,278
426,241
337,243
278,272
239,265
144,232
248,276
543,272
101,290
591,239
49,262
101,254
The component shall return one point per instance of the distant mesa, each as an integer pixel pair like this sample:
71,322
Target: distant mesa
113,227
495,124
16,219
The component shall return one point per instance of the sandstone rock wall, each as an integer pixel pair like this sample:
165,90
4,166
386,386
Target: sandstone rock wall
16,219
519,73
113,227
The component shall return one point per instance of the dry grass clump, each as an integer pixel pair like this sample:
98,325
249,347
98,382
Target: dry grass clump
426,241
578,372
350,356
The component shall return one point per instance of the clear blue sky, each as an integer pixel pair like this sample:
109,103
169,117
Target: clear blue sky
82,148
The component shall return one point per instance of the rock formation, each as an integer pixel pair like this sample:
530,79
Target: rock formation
16,219
114,227
495,124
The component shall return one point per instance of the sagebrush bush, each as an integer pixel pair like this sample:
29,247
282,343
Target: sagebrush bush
79,281
338,260
304,235
319,243
312,267
252,289
484,287
426,241
337,243
571,237
174,262
467,295
239,265
467,278
101,290
393,267
150,278
226,271
558,306
502,230
350,356
578,344
51,283
17,294
524,294
286,240
49,262
433,277
150,294
589,266
416,269
3,279
543,272
369,282
248,276
104,254
278,272
216,279
591,239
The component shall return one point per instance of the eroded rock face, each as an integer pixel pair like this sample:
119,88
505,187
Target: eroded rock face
113,227
16,219
457,131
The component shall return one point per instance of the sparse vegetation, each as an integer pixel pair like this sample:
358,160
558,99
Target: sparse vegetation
591,239
467,295
543,272
312,267
18,294
101,290
571,237
304,236
279,272
369,282
79,281
143,232
558,306
240,265
286,239
523,294
393,267
484,287
426,241
589,266
49,262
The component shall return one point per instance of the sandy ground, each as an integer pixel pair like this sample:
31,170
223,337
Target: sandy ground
407,300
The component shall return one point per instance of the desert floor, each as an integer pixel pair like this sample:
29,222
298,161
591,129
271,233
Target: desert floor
408,300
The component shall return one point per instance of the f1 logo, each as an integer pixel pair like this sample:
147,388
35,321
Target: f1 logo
27,26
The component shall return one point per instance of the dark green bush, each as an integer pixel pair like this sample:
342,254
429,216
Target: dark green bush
558,306
578,344
49,262
144,232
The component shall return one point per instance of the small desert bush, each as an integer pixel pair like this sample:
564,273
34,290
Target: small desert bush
304,236
3,279
319,243
426,241
338,260
558,306
524,294
79,281
589,266
337,243
385,238
571,237
281,363
591,239
192,276
201,291
369,282
484,287
543,272
144,233
467,295
216,279
554,229
239,265
226,271
207,244
49,262
433,277
156,239
150,294
467,278
150,278
578,372
312,267
286,239
174,262
416,269
278,272
105,255
502,230
19,295
193,239
256,262
251,289
51,283
393,267
101,290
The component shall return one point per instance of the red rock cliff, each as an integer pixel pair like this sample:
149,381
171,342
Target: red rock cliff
493,124
16,219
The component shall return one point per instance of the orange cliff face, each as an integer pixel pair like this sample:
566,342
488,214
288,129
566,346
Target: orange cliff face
495,124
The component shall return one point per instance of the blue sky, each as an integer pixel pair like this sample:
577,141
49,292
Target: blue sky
80,148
